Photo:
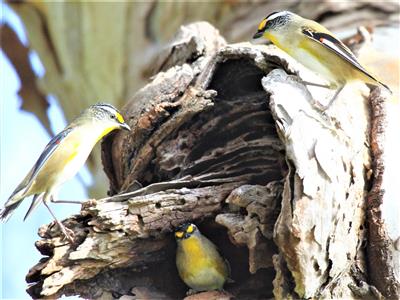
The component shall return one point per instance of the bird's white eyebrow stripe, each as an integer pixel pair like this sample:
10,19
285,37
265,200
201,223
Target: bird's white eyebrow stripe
276,15
108,108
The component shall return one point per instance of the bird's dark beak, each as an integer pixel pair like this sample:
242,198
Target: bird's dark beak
258,34
125,126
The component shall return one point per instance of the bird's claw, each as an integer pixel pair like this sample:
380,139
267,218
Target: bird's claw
190,292
68,234
318,106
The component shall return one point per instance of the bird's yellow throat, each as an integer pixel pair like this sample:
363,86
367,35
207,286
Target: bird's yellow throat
193,248
111,128
275,41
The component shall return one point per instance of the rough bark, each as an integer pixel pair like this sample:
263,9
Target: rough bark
89,57
381,249
227,136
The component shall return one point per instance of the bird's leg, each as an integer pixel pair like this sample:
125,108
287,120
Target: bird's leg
317,84
191,292
319,106
66,201
335,96
62,227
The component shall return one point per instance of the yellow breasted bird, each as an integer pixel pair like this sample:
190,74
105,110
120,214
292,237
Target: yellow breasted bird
315,47
62,158
199,264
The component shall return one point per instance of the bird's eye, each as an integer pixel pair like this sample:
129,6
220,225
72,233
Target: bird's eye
113,117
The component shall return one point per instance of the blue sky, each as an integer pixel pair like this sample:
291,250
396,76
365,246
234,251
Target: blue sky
22,139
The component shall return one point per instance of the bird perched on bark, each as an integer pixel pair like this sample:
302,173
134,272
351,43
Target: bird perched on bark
62,158
315,47
198,262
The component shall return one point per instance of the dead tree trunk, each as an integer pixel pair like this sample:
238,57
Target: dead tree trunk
228,137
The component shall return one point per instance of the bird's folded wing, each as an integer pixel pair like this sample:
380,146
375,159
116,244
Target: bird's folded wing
336,46
48,151
46,154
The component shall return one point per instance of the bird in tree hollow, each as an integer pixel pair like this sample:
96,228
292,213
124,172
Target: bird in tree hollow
315,47
62,158
198,262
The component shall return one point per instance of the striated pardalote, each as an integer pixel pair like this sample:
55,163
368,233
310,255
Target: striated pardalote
198,262
62,158
315,47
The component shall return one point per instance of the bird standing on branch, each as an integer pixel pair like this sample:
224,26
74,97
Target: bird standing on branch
62,158
315,47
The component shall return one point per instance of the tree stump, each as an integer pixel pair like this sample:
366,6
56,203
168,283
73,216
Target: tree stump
228,137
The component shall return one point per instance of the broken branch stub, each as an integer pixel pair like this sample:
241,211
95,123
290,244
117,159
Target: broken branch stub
224,136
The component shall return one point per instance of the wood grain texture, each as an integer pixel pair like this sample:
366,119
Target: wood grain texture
229,139
103,51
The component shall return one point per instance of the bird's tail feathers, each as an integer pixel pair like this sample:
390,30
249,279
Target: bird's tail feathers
35,202
12,203
385,86
374,80
7,211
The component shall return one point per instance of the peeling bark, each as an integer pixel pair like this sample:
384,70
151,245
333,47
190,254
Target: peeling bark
380,248
228,137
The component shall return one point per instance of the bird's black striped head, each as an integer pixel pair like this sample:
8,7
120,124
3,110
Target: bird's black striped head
273,21
184,231
105,112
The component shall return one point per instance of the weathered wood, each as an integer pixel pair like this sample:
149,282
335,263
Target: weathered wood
383,256
195,139
320,224
254,228
89,57
232,140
